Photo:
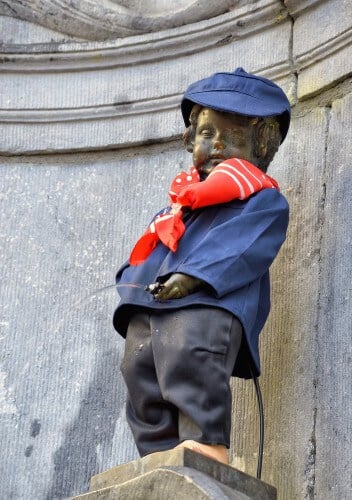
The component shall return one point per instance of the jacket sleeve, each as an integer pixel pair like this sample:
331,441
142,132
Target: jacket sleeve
241,249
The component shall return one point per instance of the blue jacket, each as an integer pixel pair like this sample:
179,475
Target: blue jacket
230,246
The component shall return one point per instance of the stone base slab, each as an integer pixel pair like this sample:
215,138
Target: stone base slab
178,473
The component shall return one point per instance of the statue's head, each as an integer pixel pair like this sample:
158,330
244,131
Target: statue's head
234,115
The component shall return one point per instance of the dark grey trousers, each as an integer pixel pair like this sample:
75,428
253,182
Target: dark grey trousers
177,366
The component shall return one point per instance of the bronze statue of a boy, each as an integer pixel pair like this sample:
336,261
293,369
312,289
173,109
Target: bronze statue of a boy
206,260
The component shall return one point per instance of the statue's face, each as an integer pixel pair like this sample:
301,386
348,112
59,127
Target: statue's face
220,136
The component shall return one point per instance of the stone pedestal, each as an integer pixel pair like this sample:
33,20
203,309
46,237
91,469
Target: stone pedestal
180,474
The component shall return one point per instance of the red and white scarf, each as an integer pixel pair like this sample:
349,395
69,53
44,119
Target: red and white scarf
232,179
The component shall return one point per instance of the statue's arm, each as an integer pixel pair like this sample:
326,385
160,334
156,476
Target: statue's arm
177,286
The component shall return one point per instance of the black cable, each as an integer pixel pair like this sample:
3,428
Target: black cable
261,422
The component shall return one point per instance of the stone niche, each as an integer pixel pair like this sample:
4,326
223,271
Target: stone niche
90,136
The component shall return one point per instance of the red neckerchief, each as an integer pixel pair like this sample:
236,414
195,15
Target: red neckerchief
232,179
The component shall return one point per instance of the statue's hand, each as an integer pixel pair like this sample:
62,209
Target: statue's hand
178,286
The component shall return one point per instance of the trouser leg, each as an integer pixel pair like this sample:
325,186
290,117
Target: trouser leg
195,350
153,420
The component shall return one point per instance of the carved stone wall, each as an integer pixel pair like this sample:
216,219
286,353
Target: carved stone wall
89,20
90,136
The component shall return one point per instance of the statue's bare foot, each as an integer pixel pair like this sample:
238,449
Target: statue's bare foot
215,451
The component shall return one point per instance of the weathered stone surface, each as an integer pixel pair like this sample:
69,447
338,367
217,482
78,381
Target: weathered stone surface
331,23
127,92
17,32
83,108
185,473
101,21
66,225
187,459
160,484
297,7
333,423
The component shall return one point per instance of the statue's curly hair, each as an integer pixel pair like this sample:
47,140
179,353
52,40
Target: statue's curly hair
266,136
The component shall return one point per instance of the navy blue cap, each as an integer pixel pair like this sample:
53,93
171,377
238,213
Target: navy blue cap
240,93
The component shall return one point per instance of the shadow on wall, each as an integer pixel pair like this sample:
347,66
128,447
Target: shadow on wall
92,431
